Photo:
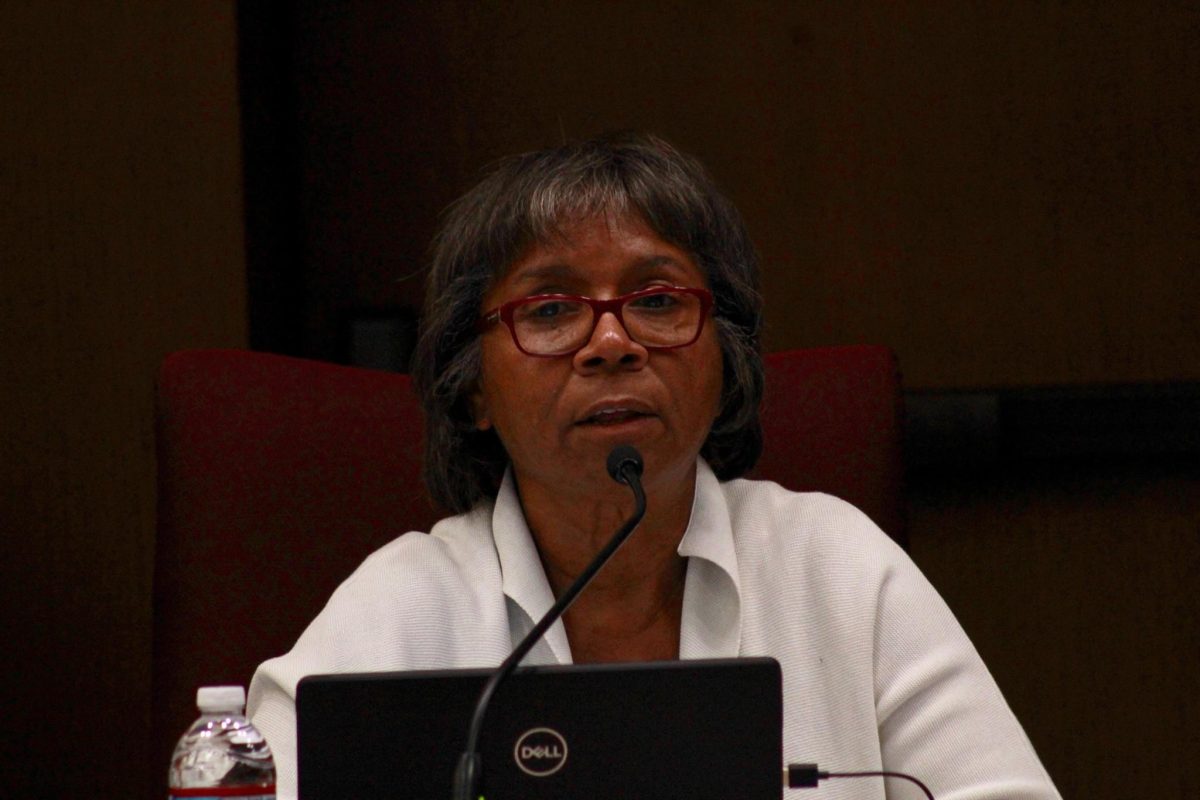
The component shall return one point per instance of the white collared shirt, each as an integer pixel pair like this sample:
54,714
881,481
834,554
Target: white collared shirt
877,674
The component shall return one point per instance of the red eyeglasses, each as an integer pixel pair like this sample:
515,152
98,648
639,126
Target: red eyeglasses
658,318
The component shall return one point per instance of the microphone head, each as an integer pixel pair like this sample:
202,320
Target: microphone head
623,457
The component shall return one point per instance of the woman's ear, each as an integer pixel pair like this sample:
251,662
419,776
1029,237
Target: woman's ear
479,411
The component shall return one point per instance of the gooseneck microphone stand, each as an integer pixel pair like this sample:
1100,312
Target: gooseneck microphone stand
625,466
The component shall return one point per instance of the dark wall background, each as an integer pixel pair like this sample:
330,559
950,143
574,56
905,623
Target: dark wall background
121,239
1009,196
1005,193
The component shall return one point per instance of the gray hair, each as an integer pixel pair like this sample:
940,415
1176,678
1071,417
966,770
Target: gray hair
530,198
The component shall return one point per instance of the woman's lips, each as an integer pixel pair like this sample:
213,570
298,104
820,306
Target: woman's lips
615,410
613,416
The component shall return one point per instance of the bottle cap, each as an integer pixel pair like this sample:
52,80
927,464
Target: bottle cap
221,698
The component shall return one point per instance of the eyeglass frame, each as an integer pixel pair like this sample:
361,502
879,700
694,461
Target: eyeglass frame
504,313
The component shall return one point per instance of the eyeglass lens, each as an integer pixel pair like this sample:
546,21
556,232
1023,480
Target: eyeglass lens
661,319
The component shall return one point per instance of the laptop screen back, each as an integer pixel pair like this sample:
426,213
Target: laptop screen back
692,729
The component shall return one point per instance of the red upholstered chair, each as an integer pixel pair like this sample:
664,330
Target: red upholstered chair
277,476
833,422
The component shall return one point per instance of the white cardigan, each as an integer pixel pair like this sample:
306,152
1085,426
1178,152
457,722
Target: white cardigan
877,674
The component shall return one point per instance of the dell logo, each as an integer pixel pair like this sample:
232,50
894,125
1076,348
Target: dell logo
540,752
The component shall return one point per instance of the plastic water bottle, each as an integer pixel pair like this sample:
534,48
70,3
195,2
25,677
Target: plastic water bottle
222,754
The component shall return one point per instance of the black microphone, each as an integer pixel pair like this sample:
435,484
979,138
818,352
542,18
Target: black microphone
625,466
624,457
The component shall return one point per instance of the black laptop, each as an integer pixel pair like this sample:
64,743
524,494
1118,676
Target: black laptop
672,729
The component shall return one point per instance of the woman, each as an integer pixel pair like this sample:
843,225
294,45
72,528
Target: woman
606,293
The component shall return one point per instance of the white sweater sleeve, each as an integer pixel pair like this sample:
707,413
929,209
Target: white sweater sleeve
425,601
273,711
941,716
878,674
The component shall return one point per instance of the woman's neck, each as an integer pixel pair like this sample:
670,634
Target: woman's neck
632,608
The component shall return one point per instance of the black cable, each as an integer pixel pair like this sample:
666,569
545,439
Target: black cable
466,774
806,776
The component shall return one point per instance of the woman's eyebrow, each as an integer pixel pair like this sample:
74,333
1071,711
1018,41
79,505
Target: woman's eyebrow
561,272
653,263
555,270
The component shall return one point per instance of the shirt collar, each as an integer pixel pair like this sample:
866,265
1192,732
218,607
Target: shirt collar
524,579
712,607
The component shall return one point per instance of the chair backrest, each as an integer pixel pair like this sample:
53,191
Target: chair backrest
277,476
833,422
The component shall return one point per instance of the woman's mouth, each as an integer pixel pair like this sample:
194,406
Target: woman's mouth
613,416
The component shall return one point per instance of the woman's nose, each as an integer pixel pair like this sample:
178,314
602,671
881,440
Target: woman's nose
610,346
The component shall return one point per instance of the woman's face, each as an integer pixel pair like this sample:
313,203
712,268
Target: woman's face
559,417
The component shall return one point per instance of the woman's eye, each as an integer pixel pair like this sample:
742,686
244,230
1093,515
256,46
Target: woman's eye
662,300
547,310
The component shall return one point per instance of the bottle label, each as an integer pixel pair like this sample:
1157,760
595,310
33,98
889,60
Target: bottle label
222,793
